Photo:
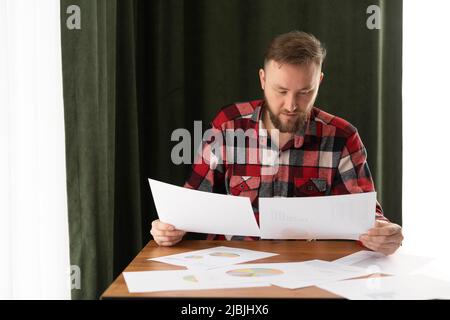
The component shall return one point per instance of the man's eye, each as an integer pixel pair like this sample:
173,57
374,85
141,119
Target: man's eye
282,92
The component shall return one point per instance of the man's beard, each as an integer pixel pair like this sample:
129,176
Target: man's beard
291,126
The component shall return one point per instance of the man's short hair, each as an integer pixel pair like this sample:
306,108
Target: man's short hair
295,47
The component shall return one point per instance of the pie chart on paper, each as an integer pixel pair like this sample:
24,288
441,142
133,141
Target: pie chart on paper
254,272
224,254
190,278
194,257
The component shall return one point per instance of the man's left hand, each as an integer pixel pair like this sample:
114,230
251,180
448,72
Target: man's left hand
385,237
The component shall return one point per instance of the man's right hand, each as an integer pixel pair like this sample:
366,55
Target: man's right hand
165,234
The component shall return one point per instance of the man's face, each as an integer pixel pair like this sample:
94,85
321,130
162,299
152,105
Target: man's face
290,92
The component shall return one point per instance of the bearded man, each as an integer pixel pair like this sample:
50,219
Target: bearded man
318,154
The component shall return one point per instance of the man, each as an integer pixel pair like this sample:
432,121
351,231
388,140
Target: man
318,154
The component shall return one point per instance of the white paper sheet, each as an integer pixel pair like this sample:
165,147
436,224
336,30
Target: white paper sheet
258,272
213,257
153,281
289,275
397,263
438,269
417,287
329,217
203,212
320,271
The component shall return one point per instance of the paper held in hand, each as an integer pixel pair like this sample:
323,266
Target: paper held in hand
328,217
203,212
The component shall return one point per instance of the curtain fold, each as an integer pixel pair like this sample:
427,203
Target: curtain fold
89,65
137,70
389,146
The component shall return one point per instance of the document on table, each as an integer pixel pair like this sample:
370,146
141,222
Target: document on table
169,280
413,287
328,217
203,212
213,257
291,275
318,271
397,263
439,268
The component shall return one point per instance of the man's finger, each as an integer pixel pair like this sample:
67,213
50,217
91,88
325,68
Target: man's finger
396,239
368,244
383,248
175,233
381,223
163,226
386,230
162,233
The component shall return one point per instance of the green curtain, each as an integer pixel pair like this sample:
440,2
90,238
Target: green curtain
102,142
137,70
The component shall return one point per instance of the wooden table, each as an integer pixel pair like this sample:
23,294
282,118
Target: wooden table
289,251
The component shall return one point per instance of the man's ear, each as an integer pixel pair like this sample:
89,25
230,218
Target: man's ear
321,77
262,78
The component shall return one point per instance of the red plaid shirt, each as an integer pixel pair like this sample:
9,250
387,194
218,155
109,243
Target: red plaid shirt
326,157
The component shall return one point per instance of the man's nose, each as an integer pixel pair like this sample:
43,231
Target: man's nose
291,104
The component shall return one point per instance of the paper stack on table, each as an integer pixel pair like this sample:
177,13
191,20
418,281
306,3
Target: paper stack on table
409,287
153,281
403,283
197,276
398,263
292,275
329,217
218,268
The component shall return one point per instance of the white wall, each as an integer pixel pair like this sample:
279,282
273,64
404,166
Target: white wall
426,126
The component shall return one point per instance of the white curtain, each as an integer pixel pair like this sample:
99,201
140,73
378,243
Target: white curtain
426,133
34,241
